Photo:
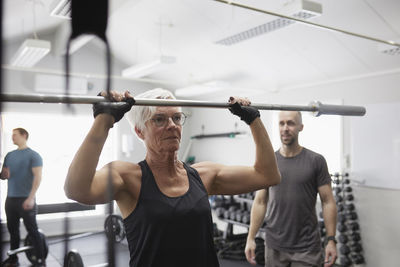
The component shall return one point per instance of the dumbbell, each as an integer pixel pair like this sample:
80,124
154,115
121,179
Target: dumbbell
338,198
217,202
239,215
348,189
321,214
349,197
342,227
354,236
246,217
340,207
346,181
354,226
232,215
226,214
322,229
355,246
338,190
243,206
322,232
358,259
220,212
351,216
343,239
349,207
344,249
232,208
335,177
345,261
250,195
232,202
341,218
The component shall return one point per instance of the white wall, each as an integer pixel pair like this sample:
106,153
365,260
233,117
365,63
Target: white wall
232,151
378,212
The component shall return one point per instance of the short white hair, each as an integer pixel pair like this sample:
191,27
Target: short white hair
138,115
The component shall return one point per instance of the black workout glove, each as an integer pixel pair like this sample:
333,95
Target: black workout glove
117,111
245,113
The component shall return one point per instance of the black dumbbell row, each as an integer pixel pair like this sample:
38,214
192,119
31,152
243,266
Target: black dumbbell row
322,230
232,208
348,226
345,207
350,248
223,201
338,178
350,238
350,259
247,195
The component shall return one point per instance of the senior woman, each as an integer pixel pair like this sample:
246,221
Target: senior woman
163,201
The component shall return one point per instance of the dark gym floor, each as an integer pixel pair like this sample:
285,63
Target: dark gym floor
93,251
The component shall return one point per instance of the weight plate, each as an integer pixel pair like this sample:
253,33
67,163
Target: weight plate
73,259
114,228
31,253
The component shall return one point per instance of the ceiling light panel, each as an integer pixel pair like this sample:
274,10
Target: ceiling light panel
30,52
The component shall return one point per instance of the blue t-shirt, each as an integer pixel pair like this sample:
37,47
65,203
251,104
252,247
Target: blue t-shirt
20,164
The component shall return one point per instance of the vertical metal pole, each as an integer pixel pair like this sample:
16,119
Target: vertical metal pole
1,122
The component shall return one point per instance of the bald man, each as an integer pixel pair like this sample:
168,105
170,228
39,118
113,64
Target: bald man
292,235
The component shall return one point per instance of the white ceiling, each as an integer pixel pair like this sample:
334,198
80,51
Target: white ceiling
293,57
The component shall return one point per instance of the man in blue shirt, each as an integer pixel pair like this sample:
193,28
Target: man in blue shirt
23,170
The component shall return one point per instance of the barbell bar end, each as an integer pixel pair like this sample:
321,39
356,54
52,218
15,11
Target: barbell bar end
323,109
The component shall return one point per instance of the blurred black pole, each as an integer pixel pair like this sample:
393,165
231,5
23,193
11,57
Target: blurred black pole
1,87
91,17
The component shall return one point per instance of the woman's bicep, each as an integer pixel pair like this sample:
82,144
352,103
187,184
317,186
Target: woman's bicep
238,180
221,179
103,181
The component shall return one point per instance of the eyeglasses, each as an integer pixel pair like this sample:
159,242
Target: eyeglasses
160,120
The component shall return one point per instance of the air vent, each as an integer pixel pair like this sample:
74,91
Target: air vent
61,9
299,9
390,50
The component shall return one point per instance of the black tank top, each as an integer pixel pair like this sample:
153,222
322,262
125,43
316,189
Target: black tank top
167,231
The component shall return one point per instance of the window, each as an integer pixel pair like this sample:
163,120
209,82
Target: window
56,138
321,134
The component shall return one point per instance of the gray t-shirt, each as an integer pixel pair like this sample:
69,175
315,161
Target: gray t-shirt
292,223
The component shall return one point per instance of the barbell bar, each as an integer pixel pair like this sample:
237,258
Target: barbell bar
316,107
